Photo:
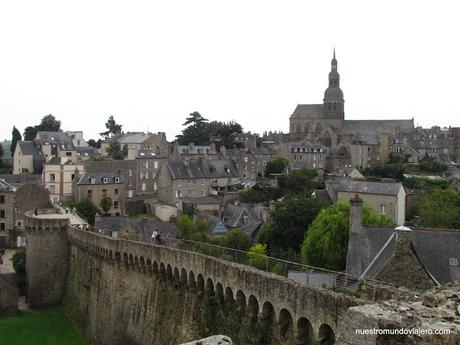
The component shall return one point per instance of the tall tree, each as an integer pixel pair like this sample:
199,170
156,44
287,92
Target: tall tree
106,203
326,241
30,132
112,127
116,151
440,208
225,131
16,136
195,131
49,123
276,165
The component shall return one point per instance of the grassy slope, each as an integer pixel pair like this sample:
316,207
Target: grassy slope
44,327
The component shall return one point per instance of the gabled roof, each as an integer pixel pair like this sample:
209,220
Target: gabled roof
6,187
134,138
99,178
202,169
18,180
367,187
308,110
60,139
28,148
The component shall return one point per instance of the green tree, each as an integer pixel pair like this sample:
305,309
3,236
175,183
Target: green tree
87,209
289,221
260,193
15,137
195,132
225,131
392,170
236,239
258,256
298,181
188,229
49,123
112,127
105,204
440,208
326,241
29,133
429,164
94,143
276,165
1,152
116,151
19,260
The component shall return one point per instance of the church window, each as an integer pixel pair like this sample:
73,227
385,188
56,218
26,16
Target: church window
306,128
295,157
335,106
329,106
298,128
453,261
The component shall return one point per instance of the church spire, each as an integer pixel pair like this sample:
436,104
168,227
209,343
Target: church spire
333,96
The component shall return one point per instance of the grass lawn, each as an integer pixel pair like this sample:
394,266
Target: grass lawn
40,327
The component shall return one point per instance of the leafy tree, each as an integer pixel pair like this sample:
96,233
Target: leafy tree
276,165
260,193
94,143
298,181
105,204
19,260
49,123
30,132
289,221
225,131
414,182
258,256
326,241
236,239
195,131
87,209
440,208
392,170
192,230
116,151
112,127
429,164
16,136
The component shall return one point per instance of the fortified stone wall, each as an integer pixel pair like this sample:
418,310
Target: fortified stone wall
8,297
47,258
123,292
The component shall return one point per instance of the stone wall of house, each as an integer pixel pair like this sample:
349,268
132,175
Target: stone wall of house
8,297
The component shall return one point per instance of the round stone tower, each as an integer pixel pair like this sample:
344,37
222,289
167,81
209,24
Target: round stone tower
47,256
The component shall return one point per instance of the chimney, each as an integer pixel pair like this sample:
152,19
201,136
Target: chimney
356,214
403,244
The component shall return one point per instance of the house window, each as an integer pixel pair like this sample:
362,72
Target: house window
116,191
155,164
52,189
382,208
92,180
52,177
145,164
202,192
117,180
2,226
453,261
2,199
130,172
115,204
143,187
130,193
2,213
68,154
189,192
104,193
244,175
246,159
19,224
105,180
90,193
178,194
155,187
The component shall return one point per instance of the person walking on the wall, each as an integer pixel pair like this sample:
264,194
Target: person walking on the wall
154,236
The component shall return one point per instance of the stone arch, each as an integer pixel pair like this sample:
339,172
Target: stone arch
125,259
200,284
183,277
136,263
117,257
149,266
162,269
326,335
241,301
229,301
169,272
304,334
286,325
253,308
220,293
267,318
142,264
191,280
110,255
155,269
209,287
131,260
176,276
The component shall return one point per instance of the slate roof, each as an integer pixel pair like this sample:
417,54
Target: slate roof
339,152
28,148
58,161
86,151
134,138
140,226
61,139
192,149
18,180
308,110
146,154
323,196
99,178
219,228
202,169
434,249
6,187
367,187
376,126
243,216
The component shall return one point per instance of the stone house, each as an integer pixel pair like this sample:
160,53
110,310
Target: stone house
308,156
58,177
251,162
15,201
98,185
27,158
192,151
338,158
126,169
387,198
195,178
148,165
415,258
247,140
135,141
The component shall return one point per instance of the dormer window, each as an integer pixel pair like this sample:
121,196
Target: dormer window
227,170
117,179
105,180
92,180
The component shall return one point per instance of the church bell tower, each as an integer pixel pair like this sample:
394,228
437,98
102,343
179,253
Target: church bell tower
333,103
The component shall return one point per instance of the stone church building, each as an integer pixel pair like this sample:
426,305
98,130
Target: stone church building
325,123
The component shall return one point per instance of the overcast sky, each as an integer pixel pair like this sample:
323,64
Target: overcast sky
151,63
